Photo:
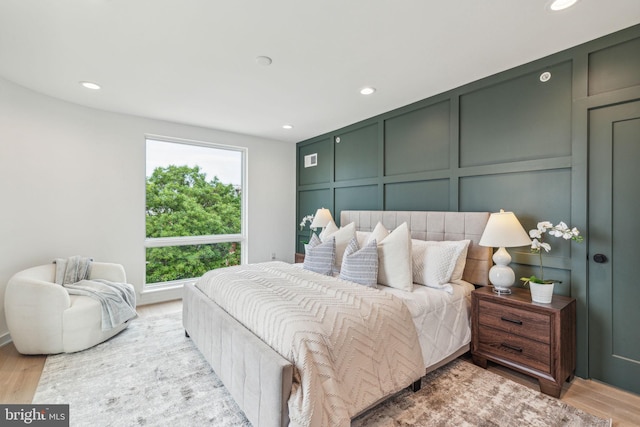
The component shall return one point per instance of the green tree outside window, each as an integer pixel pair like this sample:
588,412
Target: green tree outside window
181,202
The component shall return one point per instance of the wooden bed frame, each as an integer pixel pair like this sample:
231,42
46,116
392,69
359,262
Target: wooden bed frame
260,379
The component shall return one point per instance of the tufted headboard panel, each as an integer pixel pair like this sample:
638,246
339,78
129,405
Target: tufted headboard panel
433,225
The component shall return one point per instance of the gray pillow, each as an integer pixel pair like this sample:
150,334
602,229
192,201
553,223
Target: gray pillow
361,265
320,256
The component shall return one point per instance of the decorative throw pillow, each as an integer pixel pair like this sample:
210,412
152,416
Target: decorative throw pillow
319,256
418,252
394,259
379,233
362,237
328,230
458,271
342,238
435,262
360,265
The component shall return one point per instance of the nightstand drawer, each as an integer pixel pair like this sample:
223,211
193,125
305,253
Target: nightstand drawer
515,321
520,350
536,339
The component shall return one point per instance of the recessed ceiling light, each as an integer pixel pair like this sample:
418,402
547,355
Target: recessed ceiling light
90,85
263,60
561,4
287,126
367,90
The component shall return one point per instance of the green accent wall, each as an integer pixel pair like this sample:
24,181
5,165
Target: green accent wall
361,144
508,141
517,119
417,140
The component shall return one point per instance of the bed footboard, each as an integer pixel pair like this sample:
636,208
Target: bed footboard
258,378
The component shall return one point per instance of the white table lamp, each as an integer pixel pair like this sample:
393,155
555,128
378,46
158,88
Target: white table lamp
503,230
321,218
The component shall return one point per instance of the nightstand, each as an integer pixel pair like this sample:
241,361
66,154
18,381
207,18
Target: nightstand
299,257
536,339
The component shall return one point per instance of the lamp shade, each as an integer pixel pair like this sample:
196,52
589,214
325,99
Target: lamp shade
503,230
321,218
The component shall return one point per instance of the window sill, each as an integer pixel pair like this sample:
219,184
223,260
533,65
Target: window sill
156,294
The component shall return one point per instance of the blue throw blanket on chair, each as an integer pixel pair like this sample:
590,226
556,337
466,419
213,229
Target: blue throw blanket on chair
118,300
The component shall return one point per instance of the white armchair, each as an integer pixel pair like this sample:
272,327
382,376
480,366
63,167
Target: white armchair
44,319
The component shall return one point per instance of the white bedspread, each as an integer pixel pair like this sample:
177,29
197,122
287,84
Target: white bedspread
351,345
442,320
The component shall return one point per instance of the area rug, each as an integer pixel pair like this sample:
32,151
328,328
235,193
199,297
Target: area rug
152,375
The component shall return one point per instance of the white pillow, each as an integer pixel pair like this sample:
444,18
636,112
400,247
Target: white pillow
378,234
360,265
362,237
394,259
434,263
458,271
342,236
329,229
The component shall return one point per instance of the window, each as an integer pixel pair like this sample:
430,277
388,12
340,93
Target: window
194,209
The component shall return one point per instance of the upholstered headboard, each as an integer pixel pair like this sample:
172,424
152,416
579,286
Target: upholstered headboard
432,225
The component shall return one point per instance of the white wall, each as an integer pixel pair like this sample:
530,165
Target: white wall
72,182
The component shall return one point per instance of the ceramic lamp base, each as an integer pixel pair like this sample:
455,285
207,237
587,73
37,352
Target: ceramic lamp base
501,275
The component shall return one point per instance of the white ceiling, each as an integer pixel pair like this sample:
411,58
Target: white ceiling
193,61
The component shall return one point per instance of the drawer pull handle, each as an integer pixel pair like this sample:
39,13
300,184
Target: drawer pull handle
517,322
512,347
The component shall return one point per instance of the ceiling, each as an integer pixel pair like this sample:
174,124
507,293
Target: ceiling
194,61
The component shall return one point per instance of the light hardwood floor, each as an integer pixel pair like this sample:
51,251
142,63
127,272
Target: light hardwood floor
19,376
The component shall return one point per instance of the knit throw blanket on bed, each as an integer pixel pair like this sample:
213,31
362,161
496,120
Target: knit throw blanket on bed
351,345
118,300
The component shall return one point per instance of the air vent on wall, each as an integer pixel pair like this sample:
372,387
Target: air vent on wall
311,160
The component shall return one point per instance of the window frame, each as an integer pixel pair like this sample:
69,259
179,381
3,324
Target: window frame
157,242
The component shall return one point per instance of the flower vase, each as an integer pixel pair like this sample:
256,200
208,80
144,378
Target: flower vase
542,293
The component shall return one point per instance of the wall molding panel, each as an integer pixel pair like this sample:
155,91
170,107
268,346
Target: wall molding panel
509,141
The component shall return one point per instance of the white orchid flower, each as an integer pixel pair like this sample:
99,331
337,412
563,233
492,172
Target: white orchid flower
560,230
535,233
555,233
544,226
304,221
536,244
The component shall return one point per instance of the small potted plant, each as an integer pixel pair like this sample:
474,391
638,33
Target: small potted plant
541,289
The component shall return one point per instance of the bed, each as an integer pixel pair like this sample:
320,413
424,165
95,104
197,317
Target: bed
263,382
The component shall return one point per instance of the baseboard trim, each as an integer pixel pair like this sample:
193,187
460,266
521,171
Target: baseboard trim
5,339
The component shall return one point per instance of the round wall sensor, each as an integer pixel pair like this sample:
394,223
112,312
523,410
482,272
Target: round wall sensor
545,77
